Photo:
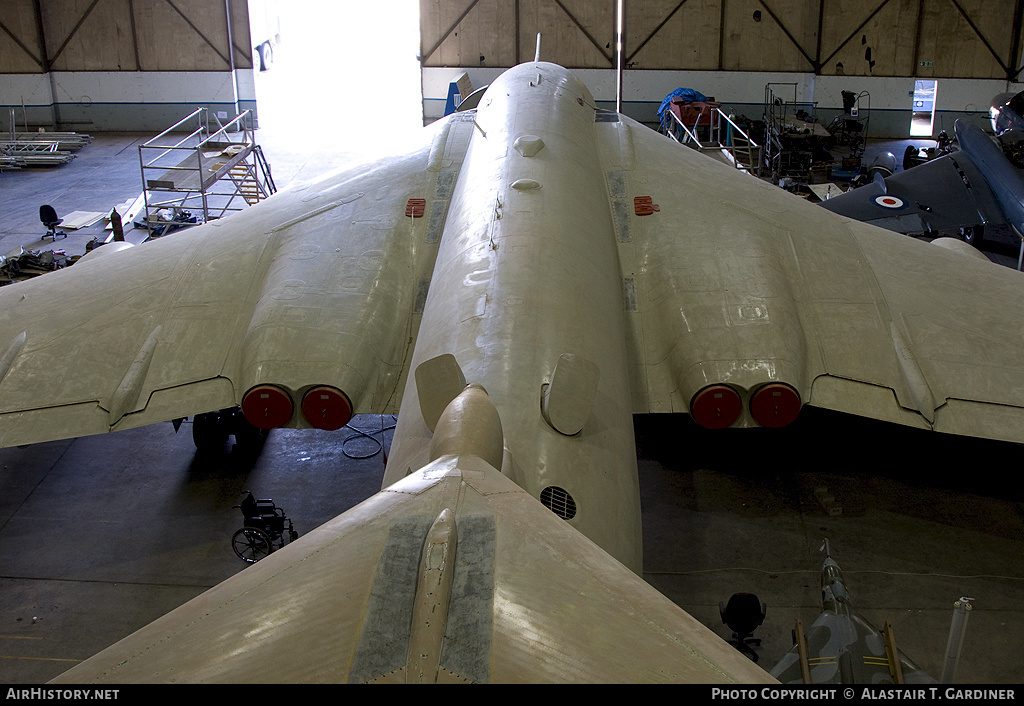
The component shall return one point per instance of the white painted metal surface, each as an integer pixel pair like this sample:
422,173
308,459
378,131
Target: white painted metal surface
532,601
670,283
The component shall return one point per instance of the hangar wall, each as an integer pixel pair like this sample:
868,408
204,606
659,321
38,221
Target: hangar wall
742,93
731,49
143,64
137,65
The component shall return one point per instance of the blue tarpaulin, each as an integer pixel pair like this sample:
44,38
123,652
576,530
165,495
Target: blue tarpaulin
684,93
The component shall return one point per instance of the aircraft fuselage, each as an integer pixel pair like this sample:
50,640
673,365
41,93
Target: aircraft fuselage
527,280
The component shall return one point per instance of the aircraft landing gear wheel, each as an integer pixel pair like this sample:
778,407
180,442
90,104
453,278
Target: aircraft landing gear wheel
209,433
972,235
266,56
249,440
910,157
251,544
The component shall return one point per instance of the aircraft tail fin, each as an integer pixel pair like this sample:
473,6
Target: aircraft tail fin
371,591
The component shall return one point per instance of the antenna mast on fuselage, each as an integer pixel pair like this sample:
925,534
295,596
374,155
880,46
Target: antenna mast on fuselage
620,50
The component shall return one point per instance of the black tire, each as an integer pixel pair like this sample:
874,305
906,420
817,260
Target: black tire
251,544
266,56
973,235
248,438
209,433
910,157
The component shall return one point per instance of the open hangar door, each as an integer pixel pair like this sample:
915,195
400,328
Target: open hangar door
344,75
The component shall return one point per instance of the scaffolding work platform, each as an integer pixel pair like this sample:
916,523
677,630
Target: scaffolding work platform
794,140
203,176
703,126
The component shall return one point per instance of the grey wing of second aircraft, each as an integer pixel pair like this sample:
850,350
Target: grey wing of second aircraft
979,185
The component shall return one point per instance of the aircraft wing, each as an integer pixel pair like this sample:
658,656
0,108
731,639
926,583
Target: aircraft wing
732,282
527,599
321,284
943,194
846,649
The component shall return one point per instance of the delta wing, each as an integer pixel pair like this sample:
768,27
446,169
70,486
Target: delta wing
451,575
317,287
745,302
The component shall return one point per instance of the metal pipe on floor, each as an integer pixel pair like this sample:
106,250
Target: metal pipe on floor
957,629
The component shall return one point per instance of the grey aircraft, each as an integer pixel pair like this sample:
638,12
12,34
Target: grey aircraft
1007,112
981,185
841,647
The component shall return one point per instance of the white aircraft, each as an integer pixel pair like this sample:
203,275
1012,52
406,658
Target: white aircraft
574,268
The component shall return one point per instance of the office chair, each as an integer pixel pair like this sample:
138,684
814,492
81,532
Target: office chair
743,613
49,218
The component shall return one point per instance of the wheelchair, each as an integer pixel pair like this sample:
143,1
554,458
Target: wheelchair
266,528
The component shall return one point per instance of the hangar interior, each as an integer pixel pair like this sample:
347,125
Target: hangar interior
101,535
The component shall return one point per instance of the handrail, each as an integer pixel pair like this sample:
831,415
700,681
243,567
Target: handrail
201,131
753,162
198,113
191,115
238,119
738,128
679,123
199,179
689,137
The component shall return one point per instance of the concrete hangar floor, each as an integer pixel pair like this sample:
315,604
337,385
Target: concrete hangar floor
101,535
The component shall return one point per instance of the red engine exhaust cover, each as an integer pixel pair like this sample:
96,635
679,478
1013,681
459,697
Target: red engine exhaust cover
326,408
716,407
267,407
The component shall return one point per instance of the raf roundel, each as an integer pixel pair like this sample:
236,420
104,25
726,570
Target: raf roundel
887,201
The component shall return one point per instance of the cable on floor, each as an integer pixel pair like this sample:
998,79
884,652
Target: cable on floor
359,433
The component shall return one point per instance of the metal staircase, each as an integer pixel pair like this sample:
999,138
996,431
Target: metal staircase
246,177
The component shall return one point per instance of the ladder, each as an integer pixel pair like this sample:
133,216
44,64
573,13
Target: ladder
248,186
247,178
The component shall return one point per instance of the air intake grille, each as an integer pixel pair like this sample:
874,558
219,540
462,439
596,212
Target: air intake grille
559,502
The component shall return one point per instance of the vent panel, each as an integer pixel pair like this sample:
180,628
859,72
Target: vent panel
559,502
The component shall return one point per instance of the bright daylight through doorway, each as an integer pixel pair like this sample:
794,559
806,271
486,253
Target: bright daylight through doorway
923,117
345,77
